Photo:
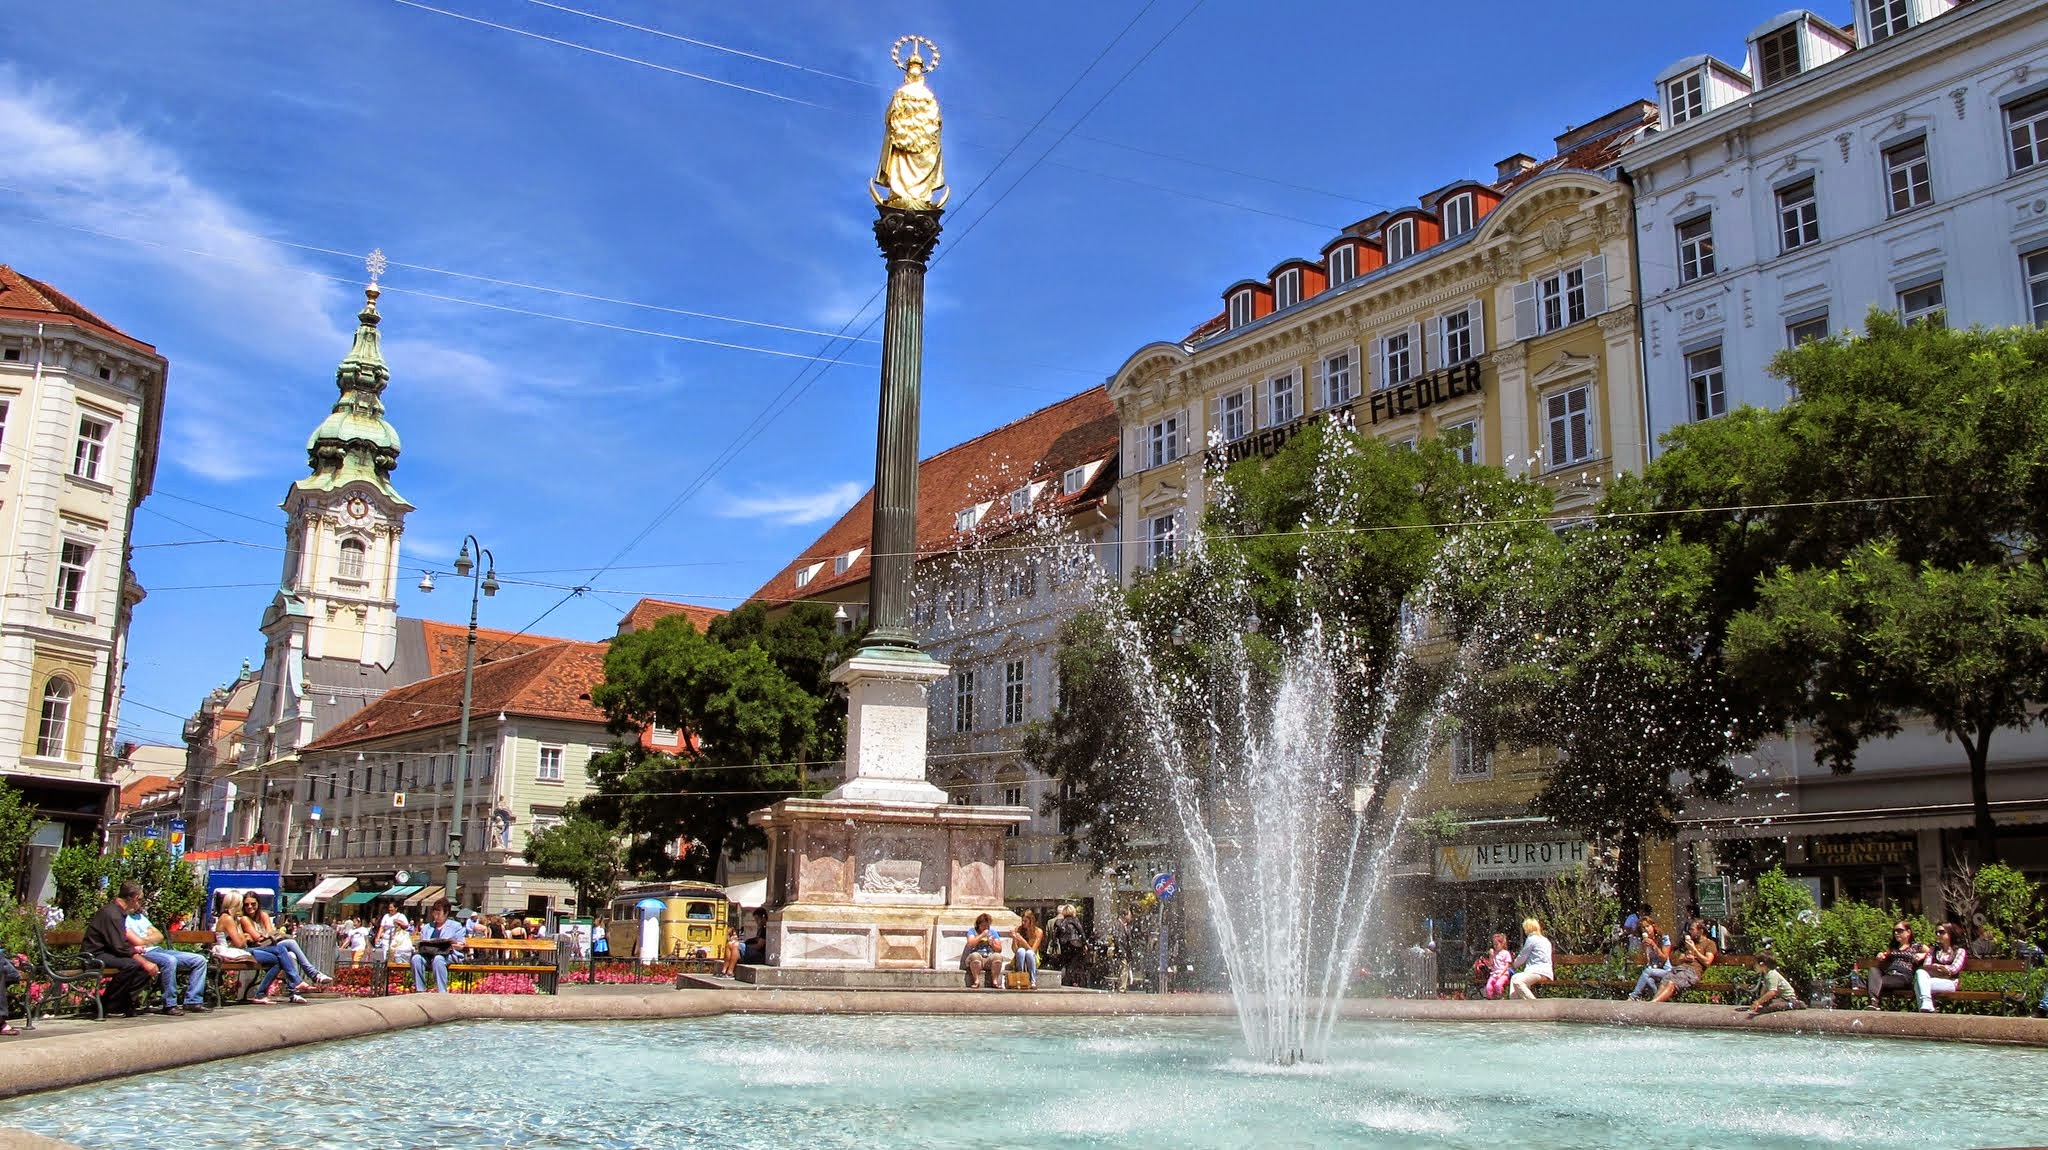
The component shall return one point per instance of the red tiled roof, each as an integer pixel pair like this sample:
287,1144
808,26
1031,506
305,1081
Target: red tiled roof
647,612
1042,446
133,794
33,300
446,643
553,682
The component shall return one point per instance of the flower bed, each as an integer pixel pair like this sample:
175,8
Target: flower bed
626,974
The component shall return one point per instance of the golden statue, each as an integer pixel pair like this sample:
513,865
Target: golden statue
911,169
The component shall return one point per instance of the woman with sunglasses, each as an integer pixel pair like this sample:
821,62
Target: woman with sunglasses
252,910
1893,971
1943,967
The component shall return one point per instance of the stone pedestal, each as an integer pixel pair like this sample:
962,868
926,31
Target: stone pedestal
872,885
887,711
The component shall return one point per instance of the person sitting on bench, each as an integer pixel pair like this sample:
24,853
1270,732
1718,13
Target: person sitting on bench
983,957
1938,974
151,944
106,939
436,943
1892,973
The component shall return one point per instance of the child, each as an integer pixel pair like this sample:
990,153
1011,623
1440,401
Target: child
1776,991
1502,966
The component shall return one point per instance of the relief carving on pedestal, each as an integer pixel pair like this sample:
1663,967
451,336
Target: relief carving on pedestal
977,869
824,863
904,862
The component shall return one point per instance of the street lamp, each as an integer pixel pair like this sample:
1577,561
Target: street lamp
485,586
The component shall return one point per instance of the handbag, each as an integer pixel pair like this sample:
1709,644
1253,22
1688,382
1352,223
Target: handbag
228,953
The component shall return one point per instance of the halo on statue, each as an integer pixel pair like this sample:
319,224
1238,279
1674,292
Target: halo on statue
896,53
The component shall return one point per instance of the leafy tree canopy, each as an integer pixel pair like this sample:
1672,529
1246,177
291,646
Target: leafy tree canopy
583,851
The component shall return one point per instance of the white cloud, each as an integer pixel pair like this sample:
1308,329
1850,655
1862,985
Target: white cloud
796,508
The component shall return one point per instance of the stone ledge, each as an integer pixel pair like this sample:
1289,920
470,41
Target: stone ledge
114,1052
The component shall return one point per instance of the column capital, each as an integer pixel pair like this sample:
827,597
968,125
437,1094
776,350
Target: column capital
905,234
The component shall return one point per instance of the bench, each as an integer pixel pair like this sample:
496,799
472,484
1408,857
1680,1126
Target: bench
1854,986
61,961
534,956
1576,972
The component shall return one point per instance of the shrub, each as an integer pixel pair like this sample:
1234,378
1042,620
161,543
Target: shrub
1577,911
2009,901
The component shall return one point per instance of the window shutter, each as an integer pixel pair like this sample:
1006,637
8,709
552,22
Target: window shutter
1262,404
1477,310
1595,270
1215,418
1377,376
1417,361
1187,434
1134,455
1320,395
1525,309
1432,339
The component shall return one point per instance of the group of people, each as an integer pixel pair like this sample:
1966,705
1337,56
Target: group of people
243,929
1061,946
1911,966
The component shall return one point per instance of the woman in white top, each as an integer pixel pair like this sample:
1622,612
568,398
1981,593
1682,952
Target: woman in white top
1533,961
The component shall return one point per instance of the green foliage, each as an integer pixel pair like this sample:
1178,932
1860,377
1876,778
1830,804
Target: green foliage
1776,905
1438,826
2011,902
17,824
17,928
1107,799
1577,911
580,850
169,887
80,876
752,703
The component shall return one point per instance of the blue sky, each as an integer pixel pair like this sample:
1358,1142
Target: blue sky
176,167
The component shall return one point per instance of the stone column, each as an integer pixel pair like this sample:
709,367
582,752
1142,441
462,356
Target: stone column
906,238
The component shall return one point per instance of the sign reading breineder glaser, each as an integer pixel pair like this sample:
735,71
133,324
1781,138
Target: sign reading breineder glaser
1386,403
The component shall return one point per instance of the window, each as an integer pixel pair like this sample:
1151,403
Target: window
3,422
1906,176
2026,125
1779,54
1396,362
1283,405
1400,241
1343,264
1561,298
1457,215
1468,433
806,574
56,718
1920,301
1695,248
1806,329
92,444
1457,337
2035,266
1162,442
1074,480
1688,98
1705,383
1568,430
550,765
1469,762
963,702
1164,532
1884,18
1022,580
1013,692
1233,416
1798,216
352,553
1287,288
1339,388
74,559
963,520
666,736
1020,500
1240,308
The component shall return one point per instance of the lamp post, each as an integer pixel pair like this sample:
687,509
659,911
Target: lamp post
482,585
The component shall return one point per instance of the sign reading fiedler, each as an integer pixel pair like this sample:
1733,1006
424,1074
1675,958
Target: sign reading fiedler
1394,402
1485,862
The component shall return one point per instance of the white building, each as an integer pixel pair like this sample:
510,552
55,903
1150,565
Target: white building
1901,164
81,409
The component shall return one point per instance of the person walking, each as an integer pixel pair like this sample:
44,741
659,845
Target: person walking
1533,961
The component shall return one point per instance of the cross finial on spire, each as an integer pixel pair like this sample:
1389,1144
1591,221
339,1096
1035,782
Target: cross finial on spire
376,263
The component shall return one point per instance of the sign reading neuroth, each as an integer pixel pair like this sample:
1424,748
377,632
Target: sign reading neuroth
1402,399
1474,862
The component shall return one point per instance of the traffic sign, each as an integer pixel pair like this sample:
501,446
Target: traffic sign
1164,885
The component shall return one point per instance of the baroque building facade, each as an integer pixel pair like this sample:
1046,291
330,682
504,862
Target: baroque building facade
1900,163
81,412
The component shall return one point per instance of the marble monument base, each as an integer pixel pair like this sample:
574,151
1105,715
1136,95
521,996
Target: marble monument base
858,885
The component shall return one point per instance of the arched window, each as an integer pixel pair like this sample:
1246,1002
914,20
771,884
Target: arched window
352,552
56,718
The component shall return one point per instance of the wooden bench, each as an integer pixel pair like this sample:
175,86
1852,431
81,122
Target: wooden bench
534,956
1563,964
1855,988
61,961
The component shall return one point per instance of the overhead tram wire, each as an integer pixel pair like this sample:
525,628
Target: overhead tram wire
798,384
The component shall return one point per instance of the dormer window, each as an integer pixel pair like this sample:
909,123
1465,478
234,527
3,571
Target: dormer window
1343,263
966,518
1020,499
1778,54
1287,288
1884,19
1457,214
1076,478
1241,308
1400,241
806,574
841,564
1687,96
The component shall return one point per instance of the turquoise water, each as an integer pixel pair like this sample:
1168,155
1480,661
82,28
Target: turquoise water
881,1082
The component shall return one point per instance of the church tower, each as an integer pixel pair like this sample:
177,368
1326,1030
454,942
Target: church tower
331,633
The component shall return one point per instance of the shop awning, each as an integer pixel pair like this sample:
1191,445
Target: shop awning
749,894
357,899
326,890
398,892
425,894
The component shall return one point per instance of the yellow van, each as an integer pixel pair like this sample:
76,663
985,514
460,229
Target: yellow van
666,921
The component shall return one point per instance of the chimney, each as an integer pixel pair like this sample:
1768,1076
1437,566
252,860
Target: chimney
1514,166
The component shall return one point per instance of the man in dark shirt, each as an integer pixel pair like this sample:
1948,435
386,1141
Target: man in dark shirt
106,937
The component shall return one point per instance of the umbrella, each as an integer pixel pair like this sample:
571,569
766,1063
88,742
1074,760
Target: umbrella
651,904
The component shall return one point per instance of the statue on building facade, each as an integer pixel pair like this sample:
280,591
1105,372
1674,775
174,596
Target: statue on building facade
911,169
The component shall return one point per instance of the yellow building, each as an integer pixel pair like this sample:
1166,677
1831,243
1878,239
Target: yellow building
1506,309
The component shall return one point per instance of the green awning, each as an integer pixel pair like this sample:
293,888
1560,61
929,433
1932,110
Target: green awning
399,891
357,899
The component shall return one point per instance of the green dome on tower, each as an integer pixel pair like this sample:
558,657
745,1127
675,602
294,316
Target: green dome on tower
355,442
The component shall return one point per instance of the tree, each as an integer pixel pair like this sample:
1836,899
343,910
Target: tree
747,728
80,875
85,878
1912,581
17,825
1106,801
580,850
